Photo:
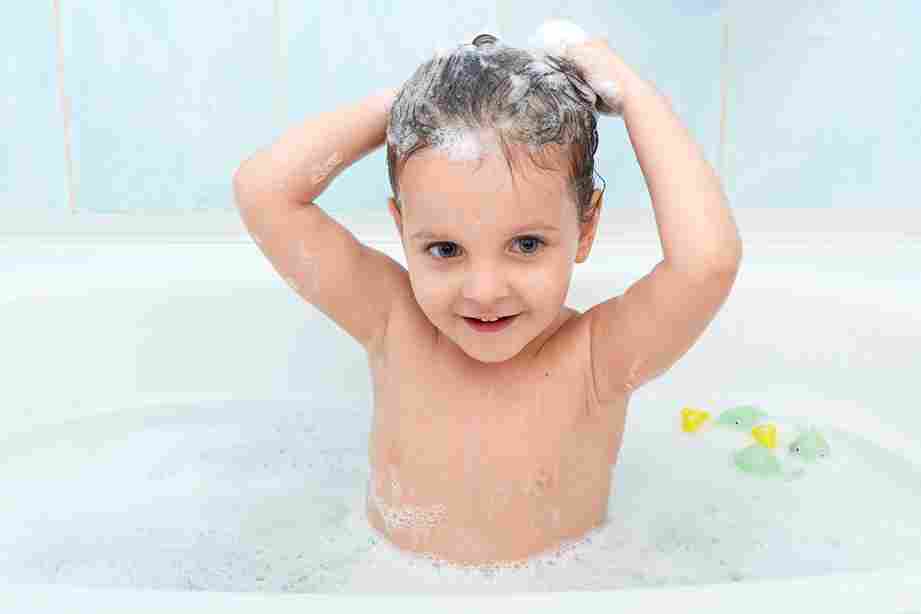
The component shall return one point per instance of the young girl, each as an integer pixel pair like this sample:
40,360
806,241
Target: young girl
498,410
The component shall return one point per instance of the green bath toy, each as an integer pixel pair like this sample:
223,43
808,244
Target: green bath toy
742,418
810,446
757,459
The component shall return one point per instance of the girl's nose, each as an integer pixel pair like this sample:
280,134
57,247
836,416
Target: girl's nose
485,286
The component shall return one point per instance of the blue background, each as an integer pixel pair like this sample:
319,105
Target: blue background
165,99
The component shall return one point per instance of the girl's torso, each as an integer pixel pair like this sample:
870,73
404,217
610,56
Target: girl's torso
476,466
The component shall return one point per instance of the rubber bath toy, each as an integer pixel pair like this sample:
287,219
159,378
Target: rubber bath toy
759,443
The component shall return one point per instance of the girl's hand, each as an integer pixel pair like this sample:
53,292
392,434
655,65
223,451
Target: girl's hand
606,73
385,97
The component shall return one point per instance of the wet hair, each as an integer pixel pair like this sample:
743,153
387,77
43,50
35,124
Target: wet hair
542,101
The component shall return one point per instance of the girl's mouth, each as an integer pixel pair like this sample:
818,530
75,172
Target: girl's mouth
489,327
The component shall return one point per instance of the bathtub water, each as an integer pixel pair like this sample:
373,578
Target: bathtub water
177,419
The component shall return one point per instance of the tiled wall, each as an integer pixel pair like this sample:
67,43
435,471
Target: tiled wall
139,107
826,109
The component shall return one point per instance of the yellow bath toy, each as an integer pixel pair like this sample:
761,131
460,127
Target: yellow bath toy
766,435
692,419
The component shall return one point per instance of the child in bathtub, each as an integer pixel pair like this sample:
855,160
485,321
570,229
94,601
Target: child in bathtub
499,410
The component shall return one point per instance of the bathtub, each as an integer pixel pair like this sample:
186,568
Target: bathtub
104,313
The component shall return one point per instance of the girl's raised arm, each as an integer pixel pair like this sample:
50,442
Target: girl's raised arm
275,189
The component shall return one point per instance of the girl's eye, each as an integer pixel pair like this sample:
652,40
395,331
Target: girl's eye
535,241
529,245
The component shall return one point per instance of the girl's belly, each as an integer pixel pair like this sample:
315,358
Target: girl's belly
489,517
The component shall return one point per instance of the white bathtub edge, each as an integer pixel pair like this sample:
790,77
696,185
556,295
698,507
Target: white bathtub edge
881,591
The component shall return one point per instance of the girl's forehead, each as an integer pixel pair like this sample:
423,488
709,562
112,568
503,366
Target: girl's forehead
480,218
436,206
432,178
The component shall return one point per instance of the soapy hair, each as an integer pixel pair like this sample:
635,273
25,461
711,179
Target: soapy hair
516,95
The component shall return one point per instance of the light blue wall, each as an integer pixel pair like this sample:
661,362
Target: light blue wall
165,99
826,108
32,166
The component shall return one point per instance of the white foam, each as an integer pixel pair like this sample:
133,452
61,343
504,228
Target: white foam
405,516
321,172
463,144
271,497
306,265
554,35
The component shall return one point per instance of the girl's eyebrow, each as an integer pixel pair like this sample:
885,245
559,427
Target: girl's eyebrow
428,234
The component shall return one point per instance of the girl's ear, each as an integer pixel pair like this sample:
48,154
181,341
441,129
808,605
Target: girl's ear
396,215
588,229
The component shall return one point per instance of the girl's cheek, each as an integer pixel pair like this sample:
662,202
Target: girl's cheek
431,290
548,285
538,279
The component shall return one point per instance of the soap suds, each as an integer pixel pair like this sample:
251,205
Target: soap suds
306,265
554,35
404,516
321,172
463,144
273,497
520,92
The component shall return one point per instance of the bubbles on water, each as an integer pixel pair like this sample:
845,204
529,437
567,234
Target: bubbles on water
723,527
675,516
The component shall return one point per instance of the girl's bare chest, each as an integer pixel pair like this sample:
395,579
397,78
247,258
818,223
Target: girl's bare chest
442,431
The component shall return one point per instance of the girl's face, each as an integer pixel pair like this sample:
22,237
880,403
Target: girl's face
478,245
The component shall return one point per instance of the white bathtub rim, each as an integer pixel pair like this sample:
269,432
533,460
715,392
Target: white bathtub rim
880,590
